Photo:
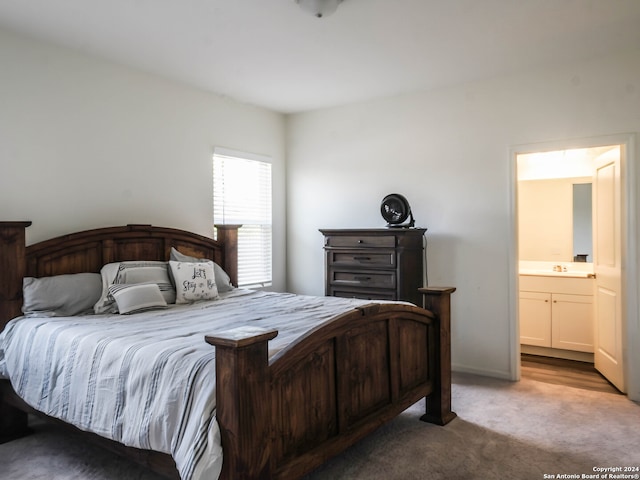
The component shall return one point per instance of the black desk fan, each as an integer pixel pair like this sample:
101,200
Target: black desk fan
395,210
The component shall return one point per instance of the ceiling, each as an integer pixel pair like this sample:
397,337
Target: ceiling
572,163
272,54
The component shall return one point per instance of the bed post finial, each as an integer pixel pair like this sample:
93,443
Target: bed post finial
13,268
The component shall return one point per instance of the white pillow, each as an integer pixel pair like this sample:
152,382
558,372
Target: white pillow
133,272
223,282
106,304
194,281
133,298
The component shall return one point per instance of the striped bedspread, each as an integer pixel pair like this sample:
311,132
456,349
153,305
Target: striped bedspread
147,380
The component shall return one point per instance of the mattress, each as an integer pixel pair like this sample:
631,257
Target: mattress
148,380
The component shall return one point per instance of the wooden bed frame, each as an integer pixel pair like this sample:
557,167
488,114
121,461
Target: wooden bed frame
280,417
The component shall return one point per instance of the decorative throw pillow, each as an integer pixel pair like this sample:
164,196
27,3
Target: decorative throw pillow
133,272
60,295
137,298
194,281
223,282
106,303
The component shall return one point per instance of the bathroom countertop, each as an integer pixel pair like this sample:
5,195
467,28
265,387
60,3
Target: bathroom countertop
547,273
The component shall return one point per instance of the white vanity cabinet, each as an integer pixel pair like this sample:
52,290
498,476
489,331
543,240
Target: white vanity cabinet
557,312
535,318
572,322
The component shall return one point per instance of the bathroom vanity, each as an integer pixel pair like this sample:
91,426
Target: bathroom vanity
556,311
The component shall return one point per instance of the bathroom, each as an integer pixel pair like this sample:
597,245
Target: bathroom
568,235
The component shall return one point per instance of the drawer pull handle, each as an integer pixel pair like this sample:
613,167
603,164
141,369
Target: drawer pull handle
360,258
360,241
361,278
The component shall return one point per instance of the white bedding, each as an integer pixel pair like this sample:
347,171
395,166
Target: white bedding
147,380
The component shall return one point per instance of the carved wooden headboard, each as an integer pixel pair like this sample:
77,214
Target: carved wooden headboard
89,250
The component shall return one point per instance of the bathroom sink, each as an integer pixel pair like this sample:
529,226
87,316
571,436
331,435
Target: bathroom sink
552,273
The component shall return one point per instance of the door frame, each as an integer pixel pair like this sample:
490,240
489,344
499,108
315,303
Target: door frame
630,223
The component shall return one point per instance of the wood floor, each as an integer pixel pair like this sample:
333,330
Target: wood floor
565,372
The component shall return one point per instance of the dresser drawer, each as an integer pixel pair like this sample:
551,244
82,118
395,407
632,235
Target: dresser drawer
360,258
366,294
371,279
360,241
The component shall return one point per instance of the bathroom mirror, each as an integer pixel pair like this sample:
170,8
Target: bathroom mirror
582,223
554,220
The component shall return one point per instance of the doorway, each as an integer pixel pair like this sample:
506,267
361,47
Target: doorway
565,260
557,371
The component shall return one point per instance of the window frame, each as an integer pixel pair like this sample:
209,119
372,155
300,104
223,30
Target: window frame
266,264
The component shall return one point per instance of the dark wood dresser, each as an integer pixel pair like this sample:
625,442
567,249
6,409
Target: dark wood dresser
376,264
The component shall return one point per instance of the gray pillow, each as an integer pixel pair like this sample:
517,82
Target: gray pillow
61,295
223,282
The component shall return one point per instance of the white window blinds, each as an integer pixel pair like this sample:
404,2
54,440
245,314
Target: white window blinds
242,195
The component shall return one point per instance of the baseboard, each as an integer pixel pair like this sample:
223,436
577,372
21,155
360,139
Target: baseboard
500,374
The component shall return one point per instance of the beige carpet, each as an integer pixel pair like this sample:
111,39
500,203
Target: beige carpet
504,430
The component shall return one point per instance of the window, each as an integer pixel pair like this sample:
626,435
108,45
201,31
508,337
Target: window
242,195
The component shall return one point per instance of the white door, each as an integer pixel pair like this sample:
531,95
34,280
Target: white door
607,246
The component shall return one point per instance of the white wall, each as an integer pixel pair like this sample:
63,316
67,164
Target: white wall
447,151
85,143
545,220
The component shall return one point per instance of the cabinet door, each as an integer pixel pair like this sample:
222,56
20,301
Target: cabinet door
572,327
535,319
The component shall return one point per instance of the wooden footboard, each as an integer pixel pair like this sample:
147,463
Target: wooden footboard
284,416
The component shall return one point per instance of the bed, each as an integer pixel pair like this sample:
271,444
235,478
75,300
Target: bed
284,399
